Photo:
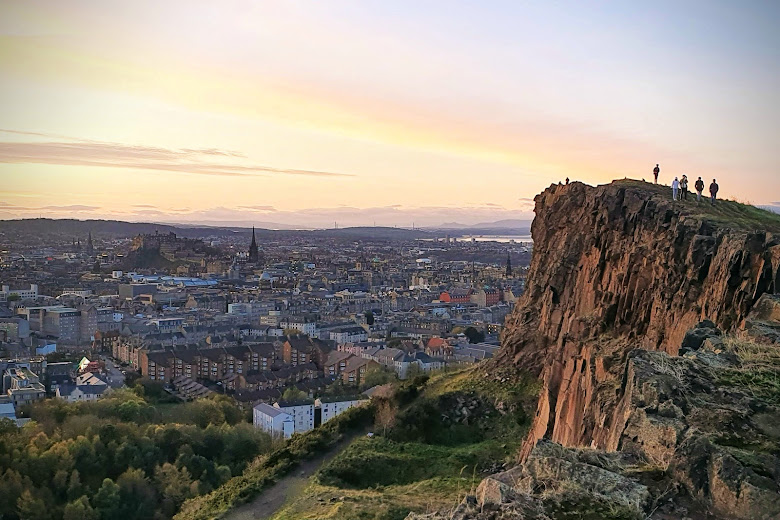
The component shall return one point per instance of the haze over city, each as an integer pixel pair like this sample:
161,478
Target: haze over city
389,113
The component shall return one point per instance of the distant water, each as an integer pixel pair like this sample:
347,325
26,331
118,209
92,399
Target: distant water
497,238
490,238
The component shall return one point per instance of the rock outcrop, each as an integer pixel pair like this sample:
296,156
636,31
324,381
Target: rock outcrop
617,268
695,436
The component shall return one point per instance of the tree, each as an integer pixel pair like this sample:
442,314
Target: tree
474,335
378,376
13,297
31,507
137,497
106,500
173,483
80,509
293,394
75,489
369,318
386,408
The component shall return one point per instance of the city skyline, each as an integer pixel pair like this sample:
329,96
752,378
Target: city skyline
306,114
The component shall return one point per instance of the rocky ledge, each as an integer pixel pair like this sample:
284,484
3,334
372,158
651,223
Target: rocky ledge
695,435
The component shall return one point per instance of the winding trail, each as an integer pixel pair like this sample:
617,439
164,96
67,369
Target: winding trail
272,499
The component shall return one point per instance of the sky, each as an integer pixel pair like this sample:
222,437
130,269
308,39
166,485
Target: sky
308,114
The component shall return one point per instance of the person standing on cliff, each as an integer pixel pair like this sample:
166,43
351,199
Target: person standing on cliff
675,188
699,188
656,171
713,192
684,187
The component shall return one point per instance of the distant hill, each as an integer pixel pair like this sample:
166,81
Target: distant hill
388,233
80,228
118,229
499,227
510,223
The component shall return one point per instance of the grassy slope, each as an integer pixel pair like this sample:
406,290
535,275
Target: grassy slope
726,213
384,479
265,470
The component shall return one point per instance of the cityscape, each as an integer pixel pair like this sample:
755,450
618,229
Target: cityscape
250,320
365,260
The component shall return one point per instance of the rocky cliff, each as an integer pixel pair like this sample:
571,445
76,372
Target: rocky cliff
619,267
654,328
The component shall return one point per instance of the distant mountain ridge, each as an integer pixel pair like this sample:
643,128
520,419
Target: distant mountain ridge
116,228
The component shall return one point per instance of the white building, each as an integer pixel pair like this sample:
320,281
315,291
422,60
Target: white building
302,413
78,393
333,406
273,420
308,328
349,335
88,387
23,294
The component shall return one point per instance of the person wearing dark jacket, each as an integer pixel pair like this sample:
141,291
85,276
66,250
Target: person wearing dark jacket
684,187
699,188
713,191
656,171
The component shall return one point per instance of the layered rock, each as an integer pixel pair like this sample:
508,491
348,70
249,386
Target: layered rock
617,268
693,436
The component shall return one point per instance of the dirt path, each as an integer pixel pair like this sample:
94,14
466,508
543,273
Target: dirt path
270,501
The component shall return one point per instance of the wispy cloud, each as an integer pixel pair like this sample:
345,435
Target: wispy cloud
81,152
72,207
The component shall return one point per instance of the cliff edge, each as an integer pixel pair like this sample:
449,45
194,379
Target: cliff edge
619,267
655,329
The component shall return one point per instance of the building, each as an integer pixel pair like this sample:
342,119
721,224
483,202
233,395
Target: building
302,413
14,329
61,322
302,326
129,291
332,406
486,297
336,363
349,335
88,387
303,349
273,420
355,371
21,294
23,387
456,296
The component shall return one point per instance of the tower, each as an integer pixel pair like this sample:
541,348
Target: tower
90,247
508,266
254,255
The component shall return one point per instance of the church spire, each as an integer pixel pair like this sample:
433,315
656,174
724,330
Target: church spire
508,266
90,247
253,253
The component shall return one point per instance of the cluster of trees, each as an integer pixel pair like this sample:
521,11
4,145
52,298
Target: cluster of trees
120,457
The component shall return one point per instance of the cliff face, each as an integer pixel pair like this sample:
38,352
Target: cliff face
615,268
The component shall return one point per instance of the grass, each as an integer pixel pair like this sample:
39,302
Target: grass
758,372
386,478
265,470
726,213
386,503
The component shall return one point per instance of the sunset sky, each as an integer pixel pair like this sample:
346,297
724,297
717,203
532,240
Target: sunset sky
309,112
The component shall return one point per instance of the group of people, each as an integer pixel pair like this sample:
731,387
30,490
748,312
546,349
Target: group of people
680,187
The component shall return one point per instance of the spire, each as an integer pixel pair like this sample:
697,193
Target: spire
508,265
90,247
253,253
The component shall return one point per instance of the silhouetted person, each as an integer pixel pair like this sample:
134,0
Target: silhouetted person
684,187
699,188
567,180
656,171
713,192
675,188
